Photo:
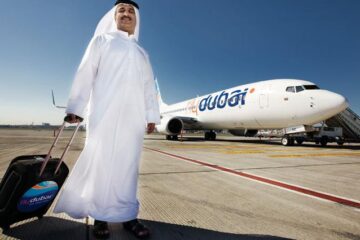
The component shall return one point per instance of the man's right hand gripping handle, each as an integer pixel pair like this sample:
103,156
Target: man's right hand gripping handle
72,118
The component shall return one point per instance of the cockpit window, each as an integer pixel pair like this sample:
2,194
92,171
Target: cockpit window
311,87
290,89
299,88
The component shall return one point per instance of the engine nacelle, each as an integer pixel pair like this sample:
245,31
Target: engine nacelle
244,132
170,126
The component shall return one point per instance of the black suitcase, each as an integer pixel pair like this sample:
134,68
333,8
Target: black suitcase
30,185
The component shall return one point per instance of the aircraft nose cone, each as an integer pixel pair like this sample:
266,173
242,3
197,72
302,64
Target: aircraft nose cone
339,102
332,103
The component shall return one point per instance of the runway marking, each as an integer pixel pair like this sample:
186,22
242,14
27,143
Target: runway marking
297,189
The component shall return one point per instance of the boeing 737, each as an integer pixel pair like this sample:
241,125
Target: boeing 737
245,109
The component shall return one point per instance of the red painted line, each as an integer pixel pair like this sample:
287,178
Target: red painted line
268,181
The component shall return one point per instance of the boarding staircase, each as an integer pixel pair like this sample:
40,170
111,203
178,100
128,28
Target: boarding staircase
349,121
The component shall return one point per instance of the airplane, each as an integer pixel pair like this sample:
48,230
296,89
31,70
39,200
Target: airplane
246,109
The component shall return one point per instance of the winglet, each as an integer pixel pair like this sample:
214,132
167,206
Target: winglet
53,100
53,97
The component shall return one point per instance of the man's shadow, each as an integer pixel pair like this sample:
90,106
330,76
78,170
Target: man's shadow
62,229
48,228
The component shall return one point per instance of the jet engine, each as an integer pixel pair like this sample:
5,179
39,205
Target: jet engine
244,132
170,126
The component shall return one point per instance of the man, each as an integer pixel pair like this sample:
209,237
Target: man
116,79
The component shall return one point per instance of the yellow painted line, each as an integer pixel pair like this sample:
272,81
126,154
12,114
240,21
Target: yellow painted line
315,155
267,151
238,149
259,149
243,152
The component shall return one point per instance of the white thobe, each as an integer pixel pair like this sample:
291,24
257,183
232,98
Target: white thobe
115,76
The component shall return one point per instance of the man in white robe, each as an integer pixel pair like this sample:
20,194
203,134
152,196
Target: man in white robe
115,79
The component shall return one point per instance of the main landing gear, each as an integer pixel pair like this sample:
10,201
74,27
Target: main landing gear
172,137
210,135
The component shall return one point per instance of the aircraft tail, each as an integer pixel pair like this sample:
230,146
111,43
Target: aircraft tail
160,100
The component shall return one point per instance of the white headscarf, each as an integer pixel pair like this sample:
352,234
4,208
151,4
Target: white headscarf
107,24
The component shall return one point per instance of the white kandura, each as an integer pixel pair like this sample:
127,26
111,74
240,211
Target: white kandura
116,78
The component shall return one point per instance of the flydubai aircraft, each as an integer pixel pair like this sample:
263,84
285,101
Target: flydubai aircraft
245,109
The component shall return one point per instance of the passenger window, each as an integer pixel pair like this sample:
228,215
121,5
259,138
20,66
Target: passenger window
299,88
290,89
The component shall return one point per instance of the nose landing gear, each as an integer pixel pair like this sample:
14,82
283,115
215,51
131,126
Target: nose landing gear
210,135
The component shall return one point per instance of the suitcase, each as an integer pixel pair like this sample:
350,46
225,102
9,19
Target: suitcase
31,184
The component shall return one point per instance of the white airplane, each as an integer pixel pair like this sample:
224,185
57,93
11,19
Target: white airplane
245,109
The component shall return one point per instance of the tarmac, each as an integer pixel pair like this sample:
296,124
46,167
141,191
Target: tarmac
232,188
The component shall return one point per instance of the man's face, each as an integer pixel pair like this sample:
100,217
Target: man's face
125,18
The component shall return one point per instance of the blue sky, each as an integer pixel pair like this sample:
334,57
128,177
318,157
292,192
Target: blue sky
196,47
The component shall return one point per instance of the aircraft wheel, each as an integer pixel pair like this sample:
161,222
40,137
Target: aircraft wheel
212,136
339,141
5,227
207,136
323,141
171,137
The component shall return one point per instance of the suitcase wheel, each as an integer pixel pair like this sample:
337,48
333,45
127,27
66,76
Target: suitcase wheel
5,227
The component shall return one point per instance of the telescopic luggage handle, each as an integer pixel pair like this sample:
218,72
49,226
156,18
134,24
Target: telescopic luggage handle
47,158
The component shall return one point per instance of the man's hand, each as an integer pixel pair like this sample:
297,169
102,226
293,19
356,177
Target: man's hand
72,118
150,127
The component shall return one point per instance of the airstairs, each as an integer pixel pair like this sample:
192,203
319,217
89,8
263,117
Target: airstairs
349,121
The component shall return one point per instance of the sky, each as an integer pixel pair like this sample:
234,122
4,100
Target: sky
196,48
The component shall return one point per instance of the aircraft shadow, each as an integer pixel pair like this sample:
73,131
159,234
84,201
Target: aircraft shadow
275,142
278,143
169,231
58,228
